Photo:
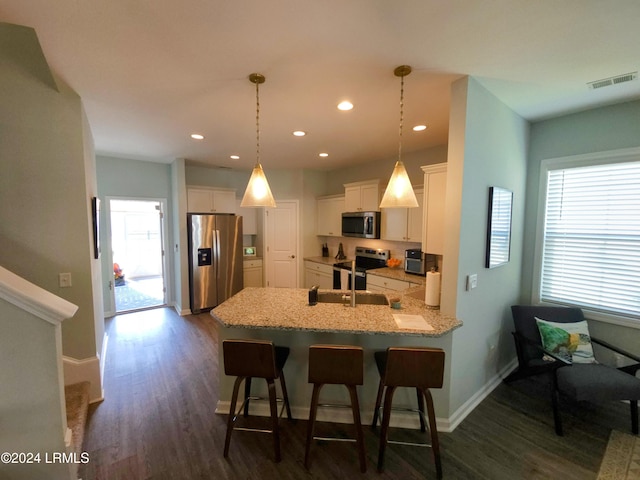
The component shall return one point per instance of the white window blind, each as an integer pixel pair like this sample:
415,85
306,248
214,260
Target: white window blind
591,251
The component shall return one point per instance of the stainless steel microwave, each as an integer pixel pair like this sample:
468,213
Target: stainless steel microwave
361,224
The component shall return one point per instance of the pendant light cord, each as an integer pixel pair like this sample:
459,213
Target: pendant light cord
401,117
257,123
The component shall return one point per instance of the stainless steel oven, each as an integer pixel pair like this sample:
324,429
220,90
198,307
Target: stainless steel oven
366,259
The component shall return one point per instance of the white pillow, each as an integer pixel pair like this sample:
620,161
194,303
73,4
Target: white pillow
570,341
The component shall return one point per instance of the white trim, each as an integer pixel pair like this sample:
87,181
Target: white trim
85,370
33,299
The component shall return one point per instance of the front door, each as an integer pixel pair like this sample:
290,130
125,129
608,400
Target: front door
281,249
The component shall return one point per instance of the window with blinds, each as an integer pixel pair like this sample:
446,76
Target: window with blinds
591,240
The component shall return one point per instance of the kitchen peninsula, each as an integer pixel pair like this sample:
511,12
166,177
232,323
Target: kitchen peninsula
284,316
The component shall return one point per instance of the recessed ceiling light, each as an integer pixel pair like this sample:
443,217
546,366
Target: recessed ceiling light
419,128
299,133
344,106
235,157
197,136
323,154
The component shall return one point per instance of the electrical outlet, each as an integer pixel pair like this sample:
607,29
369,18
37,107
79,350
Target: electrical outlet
64,280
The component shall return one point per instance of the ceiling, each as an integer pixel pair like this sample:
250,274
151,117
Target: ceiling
151,72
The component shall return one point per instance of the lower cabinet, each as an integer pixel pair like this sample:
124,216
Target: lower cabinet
376,283
252,273
318,274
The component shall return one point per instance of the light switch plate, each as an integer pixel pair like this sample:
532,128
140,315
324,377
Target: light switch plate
64,280
472,281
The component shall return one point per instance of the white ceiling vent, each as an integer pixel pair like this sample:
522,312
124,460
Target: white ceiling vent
607,82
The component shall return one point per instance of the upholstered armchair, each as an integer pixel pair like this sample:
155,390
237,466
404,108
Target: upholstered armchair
565,355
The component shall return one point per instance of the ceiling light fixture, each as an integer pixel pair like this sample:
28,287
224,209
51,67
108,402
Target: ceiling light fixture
323,154
399,192
258,193
234,157
344,106
419,128
197,136
299,133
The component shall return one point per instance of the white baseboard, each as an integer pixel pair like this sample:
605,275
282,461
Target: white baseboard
399,419
461,413
85,370
181,311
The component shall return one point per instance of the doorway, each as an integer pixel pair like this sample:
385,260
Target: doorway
137,248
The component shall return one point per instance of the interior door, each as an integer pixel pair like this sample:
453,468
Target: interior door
281,249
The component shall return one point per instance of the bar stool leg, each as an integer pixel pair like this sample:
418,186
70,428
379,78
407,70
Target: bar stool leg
435,444
386,417
378,402
274,418
312,421
247,394
232,412
421,409
355,408
285,395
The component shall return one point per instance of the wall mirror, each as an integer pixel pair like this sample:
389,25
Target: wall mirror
499,227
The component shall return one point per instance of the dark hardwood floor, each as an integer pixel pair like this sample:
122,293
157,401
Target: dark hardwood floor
158,422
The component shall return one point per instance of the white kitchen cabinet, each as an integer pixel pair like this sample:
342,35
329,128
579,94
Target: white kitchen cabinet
329,215
249,218
252,272
435,186
318,274
211,200
377,283
403,224
362,196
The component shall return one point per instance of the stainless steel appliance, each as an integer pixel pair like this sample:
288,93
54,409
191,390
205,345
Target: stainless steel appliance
361,224
215,259
418,262
366,259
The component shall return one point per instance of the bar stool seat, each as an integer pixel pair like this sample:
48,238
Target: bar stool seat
335,365
420,368
247,359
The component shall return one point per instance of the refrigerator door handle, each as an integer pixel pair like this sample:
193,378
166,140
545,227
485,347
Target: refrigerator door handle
217,252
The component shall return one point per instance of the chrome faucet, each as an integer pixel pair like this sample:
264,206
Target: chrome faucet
353,283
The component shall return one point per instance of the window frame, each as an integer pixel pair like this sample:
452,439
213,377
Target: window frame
574,161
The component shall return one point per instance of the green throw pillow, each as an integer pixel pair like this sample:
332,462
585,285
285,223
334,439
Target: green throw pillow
570,341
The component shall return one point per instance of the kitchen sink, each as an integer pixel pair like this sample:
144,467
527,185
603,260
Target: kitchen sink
361,298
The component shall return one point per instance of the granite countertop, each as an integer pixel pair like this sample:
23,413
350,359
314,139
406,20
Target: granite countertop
288,309
397,274
324,260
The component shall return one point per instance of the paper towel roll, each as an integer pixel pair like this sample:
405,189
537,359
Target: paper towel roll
432,291
344,279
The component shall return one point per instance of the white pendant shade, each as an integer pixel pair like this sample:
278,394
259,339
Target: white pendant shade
258,193
399,192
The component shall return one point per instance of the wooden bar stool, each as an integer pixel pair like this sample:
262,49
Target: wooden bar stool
246,359
335,365
420,368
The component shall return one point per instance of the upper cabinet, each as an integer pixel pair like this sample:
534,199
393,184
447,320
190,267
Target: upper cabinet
329,215
435,186
249,218
362,196
211,200
403,224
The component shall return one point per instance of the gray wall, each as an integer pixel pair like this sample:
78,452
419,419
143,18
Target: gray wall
118,177
488,147
47,179
602,129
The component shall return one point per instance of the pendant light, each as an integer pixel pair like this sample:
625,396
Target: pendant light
258,193
399,192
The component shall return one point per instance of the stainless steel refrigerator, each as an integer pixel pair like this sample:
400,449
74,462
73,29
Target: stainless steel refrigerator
215,259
